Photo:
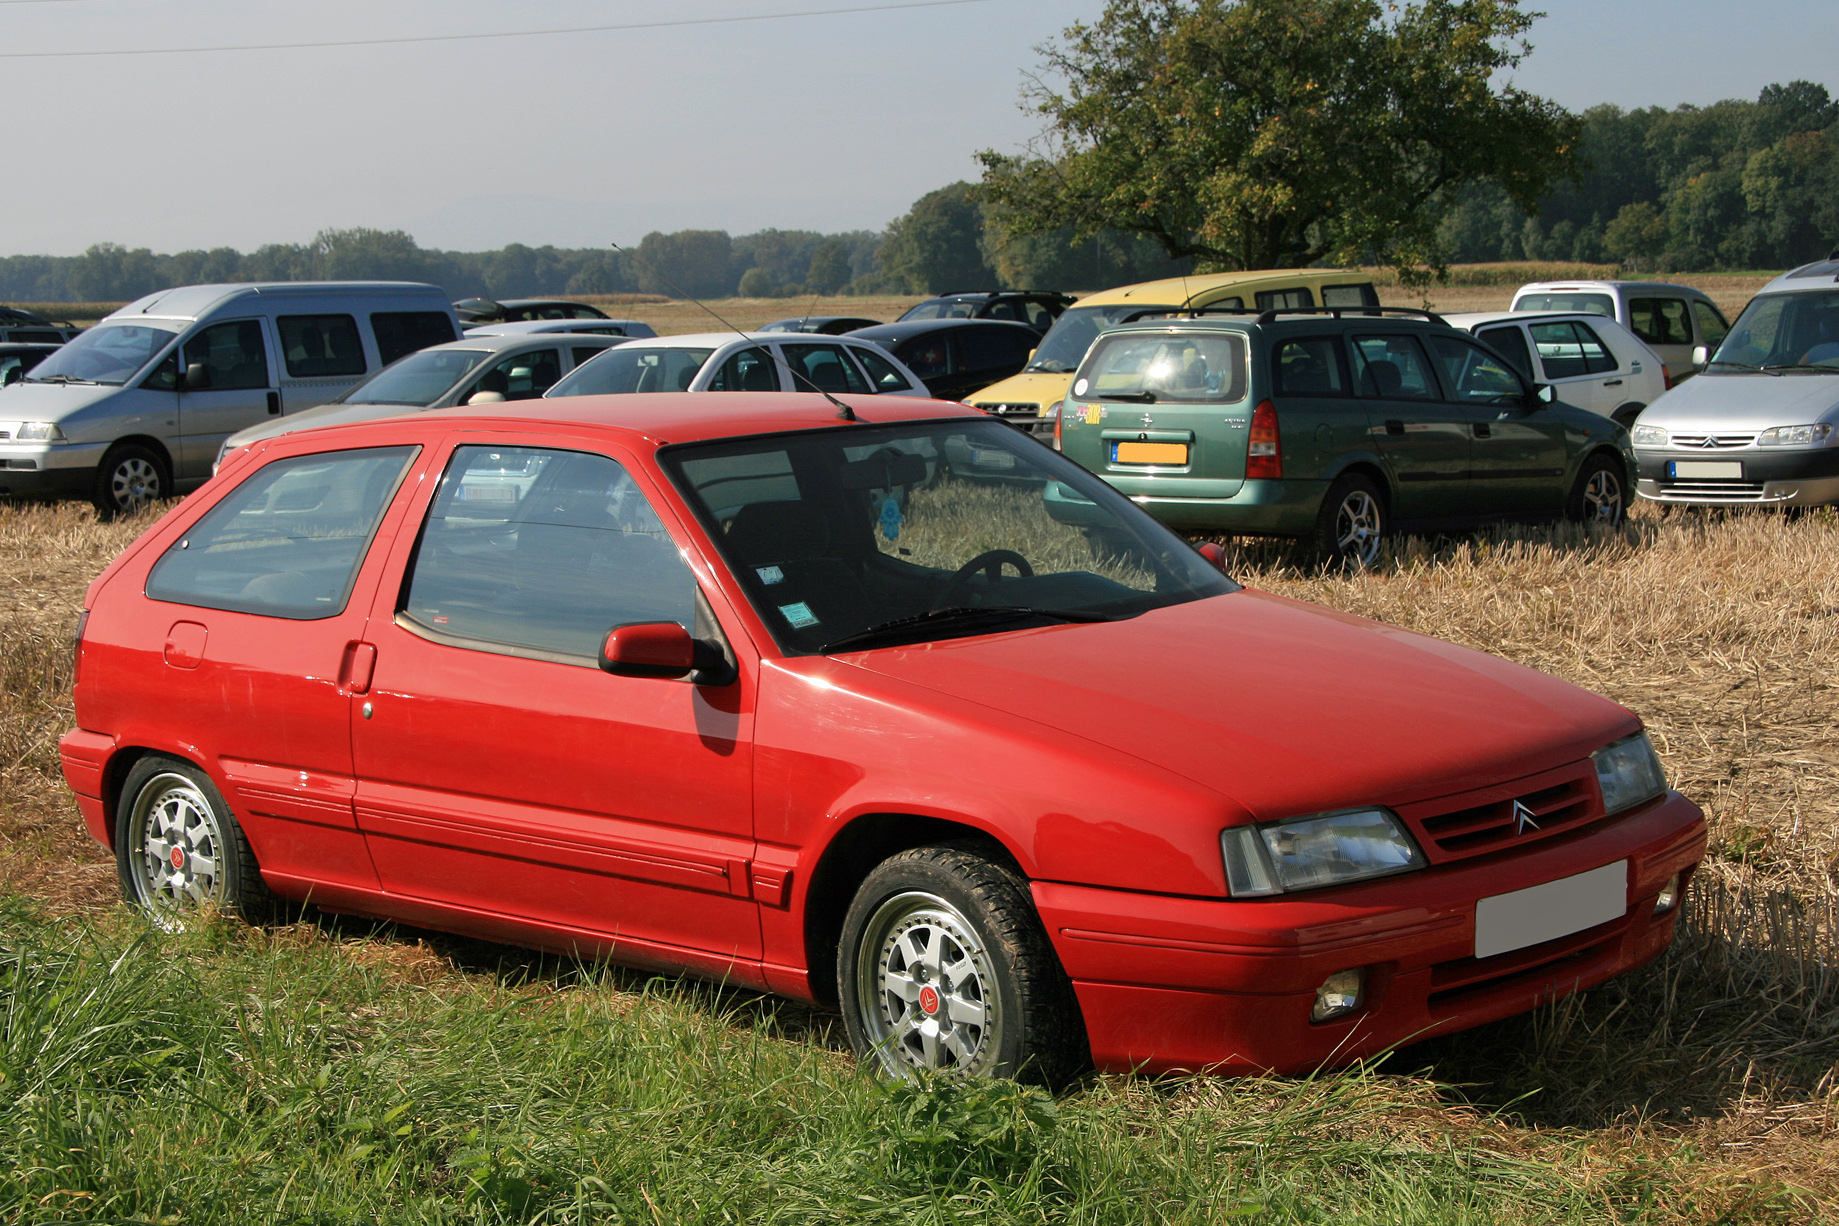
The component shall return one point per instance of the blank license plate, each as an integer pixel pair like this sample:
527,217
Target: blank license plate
1555,909
1705,468
1149,453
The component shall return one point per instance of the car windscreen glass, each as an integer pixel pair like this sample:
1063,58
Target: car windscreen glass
1795,332
107,353
1072,334
634,368
872,536
1152,367
419,379
944,308
1592,304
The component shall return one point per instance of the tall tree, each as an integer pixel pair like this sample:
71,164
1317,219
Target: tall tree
935,248
1277,133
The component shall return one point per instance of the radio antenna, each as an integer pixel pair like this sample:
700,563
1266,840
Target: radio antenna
843,411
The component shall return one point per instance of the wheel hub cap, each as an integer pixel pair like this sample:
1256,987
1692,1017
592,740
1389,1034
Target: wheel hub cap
178,858
928,997
929,1000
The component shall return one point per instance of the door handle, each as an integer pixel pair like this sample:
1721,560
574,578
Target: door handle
1483,430
1394,426
274,403
1612,383
359,663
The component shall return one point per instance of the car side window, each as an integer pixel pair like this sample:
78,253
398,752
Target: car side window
580,355
1362,294
1510,343
522,376
1307,366
750,370
825,368
881,372
403,332
1007,308
287,541
1712,327
928,356
1569,350
1473,375
233,353
990,348
320,346
1392,368
540,551
1660,321
1277,299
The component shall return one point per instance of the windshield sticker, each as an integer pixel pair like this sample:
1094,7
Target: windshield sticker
799,615
769,575
890,518
1079,388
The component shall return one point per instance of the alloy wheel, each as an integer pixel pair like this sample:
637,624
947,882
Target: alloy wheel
1602,498
1358,528
178,847
926,988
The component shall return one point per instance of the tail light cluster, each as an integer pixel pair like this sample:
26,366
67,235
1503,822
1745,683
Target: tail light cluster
1263,453
1053,411
1666,377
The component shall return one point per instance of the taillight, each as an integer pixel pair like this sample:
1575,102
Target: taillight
1666,376
76,647
1054,412
1263,456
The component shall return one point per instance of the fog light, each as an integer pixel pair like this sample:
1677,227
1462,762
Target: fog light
1669,898
1340,993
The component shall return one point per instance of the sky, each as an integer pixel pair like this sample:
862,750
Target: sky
737,115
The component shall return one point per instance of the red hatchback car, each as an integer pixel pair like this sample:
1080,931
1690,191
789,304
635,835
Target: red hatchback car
828,702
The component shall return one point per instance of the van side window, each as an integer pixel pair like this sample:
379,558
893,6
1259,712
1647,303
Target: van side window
288,540
1712,328
1307,367
541,552
1568,350
233,353
1362,294
1278,299
400,332
1660,321
320,346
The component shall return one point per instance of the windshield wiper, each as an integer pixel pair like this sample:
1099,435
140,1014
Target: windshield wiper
959,615
1051,368
1825,370
56,379
1131,397
1741,366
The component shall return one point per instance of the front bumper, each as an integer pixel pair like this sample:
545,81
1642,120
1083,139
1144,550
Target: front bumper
1171,983
1805,477
47,470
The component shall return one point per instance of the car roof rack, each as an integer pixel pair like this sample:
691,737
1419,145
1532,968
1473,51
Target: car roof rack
1265,317
1182,313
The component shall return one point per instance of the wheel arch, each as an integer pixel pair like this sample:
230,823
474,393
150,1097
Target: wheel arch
850,855
150,443
1373,471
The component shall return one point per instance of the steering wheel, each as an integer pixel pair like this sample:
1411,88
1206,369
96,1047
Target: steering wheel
991,563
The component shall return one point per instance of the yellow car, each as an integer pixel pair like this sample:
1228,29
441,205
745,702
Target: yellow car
1037,391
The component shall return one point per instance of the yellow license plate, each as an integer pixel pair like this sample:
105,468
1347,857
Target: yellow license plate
1150,453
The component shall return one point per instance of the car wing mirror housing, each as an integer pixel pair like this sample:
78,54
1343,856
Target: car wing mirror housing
663,650
197,377
1215,554
1701,357
1540,395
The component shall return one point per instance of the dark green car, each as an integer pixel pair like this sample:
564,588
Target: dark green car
1336,427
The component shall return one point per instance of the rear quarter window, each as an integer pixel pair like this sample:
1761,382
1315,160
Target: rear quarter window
320,346
403,332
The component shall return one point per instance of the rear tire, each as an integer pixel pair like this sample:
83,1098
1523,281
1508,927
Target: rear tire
179,849
943,966
1600,495
1351,524
129,478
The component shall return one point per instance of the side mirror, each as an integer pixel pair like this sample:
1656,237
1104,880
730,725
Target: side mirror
662,649
486,398
1541,395
197,378
1701,357
1215,554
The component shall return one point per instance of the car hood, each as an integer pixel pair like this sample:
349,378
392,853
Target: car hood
320,415
1286,707
1746,402
1026,388
51,401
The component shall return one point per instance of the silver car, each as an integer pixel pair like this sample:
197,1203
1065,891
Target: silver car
1760,425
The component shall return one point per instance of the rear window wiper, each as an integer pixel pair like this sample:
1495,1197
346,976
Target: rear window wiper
958,615
1130,397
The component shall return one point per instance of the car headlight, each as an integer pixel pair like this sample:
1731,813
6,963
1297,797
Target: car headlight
1649,436
1795,436
40,432
1305,853
1629,772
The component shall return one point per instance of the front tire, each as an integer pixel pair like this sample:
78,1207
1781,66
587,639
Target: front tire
178,847
943,967
1351,525
1600,495
130,477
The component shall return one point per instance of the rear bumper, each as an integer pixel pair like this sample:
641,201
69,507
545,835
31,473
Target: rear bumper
1183,983
84,757
1254,508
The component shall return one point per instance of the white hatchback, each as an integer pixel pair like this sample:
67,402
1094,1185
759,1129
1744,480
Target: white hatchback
1593,361
743,362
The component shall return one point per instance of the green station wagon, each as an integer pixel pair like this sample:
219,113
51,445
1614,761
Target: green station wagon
1333,426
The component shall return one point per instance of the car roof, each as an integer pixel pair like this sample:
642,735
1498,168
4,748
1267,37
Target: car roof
525,327
516,340
1177,290
196,301
1821,274
715,340
900,329
1474,319
671,417
1610,286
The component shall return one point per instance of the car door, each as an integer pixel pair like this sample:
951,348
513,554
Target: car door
1422,436
1577,362
253,622
1517,447
238,389
499,770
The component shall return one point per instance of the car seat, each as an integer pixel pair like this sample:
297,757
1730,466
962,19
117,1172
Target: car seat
1384,378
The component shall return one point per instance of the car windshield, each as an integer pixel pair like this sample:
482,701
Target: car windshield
1589,304
944,308
1066,342
634,368
107,353
1156,366
872,536
1797,333
419,379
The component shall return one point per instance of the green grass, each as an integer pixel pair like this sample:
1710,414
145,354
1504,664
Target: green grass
238,1075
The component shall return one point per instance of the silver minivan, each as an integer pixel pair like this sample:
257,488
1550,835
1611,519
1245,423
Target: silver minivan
1672,320
134,409
1760,426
